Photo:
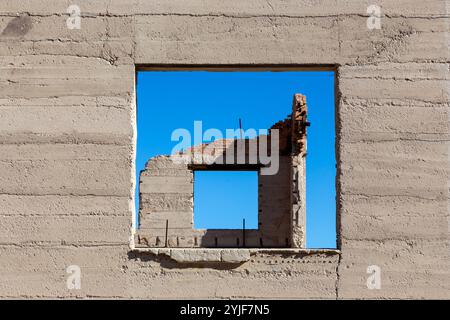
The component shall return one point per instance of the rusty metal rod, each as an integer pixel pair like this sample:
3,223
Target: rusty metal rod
167,231
243,233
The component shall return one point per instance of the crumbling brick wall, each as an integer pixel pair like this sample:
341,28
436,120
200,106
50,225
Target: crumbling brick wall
167,195
298,171
67,135
166,190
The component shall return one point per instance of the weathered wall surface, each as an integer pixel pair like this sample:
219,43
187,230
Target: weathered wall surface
67,114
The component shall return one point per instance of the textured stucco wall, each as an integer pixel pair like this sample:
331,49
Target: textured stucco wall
67,114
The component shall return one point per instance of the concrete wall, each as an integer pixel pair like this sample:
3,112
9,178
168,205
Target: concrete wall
67,116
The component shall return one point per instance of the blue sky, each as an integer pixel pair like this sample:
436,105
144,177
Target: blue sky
168,100
222,199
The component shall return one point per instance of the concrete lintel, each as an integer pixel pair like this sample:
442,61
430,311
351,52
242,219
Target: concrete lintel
226,255
196,255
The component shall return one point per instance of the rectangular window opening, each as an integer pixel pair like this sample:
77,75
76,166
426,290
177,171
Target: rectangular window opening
225,199
198,204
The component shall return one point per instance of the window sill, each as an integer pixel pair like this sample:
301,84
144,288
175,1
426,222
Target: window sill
224,255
